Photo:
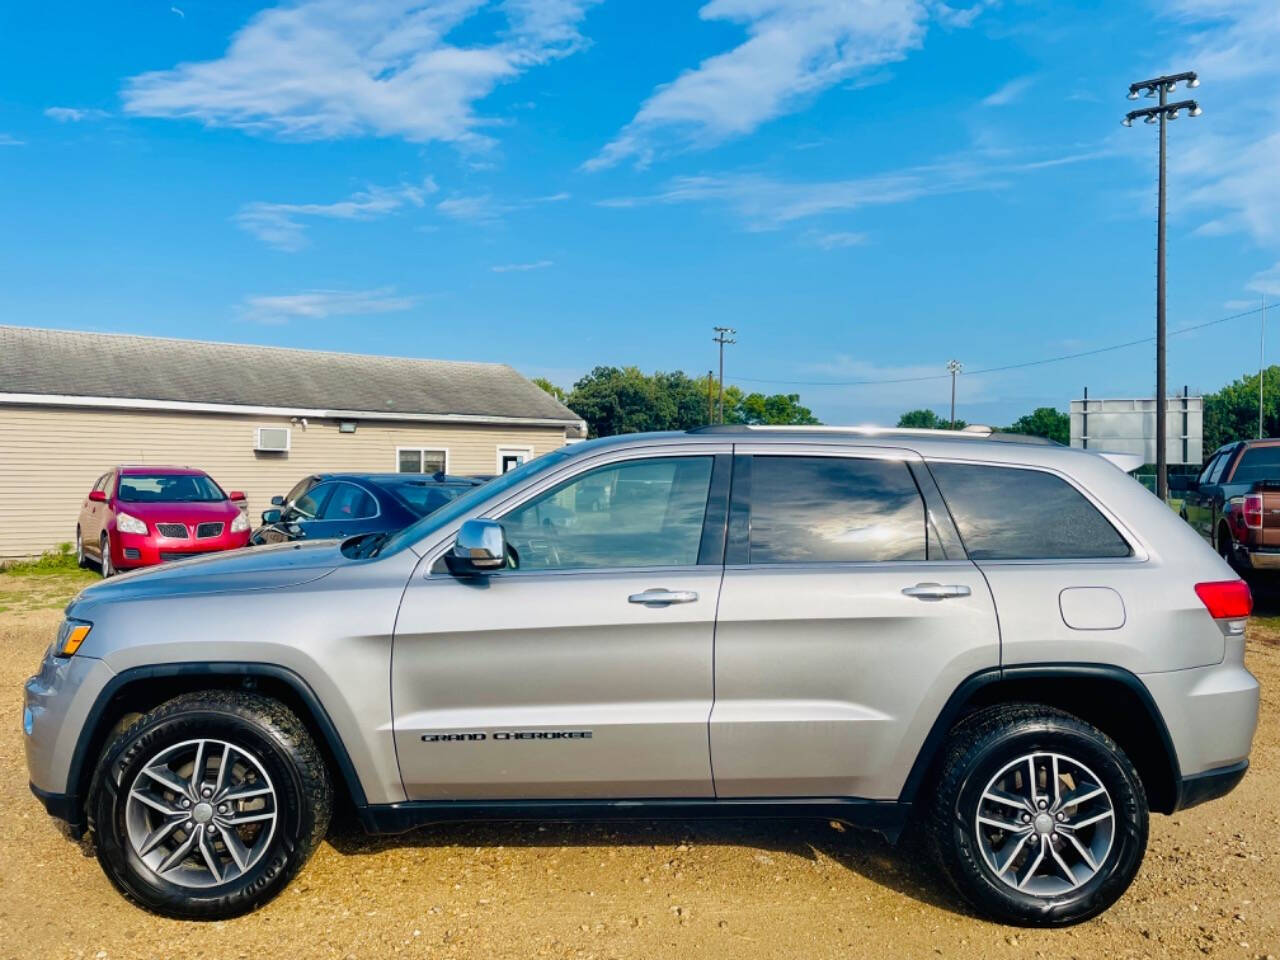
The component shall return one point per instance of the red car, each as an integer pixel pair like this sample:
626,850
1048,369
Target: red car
139,516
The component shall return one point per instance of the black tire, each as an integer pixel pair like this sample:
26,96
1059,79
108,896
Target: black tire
288,755
987,742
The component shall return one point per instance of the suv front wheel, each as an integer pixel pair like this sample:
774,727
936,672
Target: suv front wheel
1039,818
207,806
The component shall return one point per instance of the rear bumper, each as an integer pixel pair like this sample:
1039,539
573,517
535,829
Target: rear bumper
1210,785
1264,559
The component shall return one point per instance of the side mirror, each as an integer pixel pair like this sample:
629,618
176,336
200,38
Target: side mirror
481,548
237,495
270,516
97,496
277,501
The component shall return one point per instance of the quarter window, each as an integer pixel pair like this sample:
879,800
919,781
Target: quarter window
419,460
639,513
834,509
1009,513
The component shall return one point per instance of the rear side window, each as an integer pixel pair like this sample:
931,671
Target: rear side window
1258,463
1008,513
834,509
349,502
1216,473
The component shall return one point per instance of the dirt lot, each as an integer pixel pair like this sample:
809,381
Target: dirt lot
1210,884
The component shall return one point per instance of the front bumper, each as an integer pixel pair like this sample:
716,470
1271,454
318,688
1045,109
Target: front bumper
129,550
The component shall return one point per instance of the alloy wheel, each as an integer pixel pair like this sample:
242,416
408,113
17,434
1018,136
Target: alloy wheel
201,813
1045,824
107,568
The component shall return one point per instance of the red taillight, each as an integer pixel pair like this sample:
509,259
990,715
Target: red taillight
1253,510
1226,599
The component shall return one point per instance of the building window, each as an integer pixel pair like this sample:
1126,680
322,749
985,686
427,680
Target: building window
419,460
511,457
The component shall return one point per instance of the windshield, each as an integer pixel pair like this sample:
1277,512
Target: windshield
472,499
423,496
168,488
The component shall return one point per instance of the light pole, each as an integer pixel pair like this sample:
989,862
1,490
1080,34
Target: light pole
722,337
1161,87
953,367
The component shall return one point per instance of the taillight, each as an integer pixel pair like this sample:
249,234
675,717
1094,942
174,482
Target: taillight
1226,599
1253,510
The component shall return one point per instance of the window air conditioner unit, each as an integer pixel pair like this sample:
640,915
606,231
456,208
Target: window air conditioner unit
271,439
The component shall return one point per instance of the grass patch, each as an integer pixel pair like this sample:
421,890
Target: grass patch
51,562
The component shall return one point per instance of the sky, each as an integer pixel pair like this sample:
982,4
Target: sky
863,189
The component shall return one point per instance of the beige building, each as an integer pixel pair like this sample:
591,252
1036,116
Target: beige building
257,419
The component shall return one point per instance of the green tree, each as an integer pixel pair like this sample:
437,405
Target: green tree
551,388
1232,412
927,420
778,409
1043,422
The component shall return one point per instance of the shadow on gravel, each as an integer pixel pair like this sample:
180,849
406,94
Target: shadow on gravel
904,868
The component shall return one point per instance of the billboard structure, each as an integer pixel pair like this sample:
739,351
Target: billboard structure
1129,426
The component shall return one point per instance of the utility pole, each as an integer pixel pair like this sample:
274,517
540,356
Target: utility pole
722,337
1262,362
953,367
1161,87
711,404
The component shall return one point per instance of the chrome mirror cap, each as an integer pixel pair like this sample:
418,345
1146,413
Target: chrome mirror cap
481,545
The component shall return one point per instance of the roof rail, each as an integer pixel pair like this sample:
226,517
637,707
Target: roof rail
972,432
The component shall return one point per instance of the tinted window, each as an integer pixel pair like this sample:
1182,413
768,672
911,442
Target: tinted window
1258,463
1215,474
641,513
423,496
349,502
831,509
308,506
1005,513
168,488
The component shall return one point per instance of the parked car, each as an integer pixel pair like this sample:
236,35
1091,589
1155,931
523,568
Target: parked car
141,516
336,505
1235,503
1015,642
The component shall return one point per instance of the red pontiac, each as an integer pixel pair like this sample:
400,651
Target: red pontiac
140,516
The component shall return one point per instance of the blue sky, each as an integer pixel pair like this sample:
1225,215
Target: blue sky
863,189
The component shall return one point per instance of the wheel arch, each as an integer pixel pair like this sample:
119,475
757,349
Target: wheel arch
141,689
1111,698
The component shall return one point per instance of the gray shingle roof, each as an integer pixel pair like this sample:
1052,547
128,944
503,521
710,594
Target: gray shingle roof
57,362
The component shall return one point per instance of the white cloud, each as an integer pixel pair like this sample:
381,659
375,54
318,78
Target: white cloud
522,267
767,203
283,225
484,208
319,304
10,141
838,240
322,69
1267,281
74,114
1009,93
794,50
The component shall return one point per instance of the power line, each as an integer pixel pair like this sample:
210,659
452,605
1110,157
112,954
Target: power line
999,369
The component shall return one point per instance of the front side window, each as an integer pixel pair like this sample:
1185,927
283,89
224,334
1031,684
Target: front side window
1258,463
168,488
349,502
310,504
1010,513
834,510
418,460
639,513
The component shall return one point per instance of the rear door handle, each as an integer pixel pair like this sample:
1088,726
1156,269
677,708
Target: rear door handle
661,598
936,591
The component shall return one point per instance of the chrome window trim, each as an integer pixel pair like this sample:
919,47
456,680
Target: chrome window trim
1138,548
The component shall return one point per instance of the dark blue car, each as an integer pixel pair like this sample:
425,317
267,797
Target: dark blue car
337,505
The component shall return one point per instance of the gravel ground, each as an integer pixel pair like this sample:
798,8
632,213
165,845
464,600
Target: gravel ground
795,889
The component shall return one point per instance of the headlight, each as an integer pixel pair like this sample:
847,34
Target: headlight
128,524
240,523
70,635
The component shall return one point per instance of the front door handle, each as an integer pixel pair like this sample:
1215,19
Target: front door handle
662,598
936,591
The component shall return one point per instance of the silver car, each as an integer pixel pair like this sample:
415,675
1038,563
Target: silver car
1010,646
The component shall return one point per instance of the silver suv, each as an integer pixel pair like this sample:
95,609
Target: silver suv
1011,647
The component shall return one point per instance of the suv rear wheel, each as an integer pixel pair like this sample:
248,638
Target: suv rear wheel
207,806
1039,818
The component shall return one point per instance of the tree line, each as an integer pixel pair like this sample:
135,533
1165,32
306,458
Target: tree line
613,400
1040,422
